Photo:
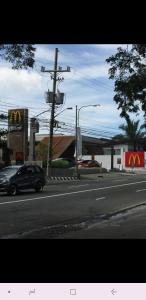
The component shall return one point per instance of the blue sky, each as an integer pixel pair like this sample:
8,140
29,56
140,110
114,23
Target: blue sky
86,84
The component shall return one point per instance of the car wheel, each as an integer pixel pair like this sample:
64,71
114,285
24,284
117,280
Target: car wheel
38,187
12,190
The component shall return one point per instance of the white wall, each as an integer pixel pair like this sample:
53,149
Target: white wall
106,159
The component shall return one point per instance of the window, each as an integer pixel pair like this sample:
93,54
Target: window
30,170
38,169
107,151
117,151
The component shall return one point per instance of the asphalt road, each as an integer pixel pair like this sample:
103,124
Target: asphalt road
64,210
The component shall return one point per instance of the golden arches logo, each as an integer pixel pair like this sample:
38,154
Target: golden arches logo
132,159
15,116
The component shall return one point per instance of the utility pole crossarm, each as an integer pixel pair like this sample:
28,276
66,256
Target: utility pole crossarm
55,71
59,70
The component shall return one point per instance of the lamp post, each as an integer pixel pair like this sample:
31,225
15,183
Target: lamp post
78,140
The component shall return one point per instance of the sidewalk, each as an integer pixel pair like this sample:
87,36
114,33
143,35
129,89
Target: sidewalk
94,176
106,175
131,225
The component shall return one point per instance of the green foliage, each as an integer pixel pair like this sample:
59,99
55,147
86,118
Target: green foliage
132,129
3,117
41,151
132,132
19,55
60,164
128,69
3,132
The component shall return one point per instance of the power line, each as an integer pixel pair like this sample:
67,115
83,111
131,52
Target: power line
94,82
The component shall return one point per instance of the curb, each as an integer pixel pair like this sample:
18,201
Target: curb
107,216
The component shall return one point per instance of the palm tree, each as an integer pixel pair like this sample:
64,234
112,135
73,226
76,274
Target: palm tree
132,132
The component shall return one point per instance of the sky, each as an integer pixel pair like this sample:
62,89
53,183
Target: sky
86,84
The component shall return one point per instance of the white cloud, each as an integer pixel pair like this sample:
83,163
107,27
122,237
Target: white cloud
82,85
21,89
90,72
44,53
20,82
109,46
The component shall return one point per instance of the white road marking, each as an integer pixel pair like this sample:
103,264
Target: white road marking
140,190
71,193
100,198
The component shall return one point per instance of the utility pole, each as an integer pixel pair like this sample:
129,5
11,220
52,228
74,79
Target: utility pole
76,143
55,79
112,157
53,108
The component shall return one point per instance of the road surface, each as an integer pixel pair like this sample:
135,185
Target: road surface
71,209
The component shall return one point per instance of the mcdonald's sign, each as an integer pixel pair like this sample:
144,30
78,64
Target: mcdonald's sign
134,159
15,116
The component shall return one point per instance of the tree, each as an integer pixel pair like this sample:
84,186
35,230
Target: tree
19,55
133,133
128,69
41,151
3,117
3,132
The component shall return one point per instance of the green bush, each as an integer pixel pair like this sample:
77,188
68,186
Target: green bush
60,164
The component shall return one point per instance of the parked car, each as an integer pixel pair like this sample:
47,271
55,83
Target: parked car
16,178
89,163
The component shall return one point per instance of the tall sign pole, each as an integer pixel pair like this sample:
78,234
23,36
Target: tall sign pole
34,128
18,134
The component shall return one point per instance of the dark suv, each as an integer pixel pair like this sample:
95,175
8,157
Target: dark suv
15,178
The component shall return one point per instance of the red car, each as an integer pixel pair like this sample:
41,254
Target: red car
89,163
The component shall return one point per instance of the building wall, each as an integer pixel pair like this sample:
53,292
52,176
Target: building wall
106,159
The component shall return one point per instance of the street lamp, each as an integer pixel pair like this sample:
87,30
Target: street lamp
78,140
93,105
62,111
42,113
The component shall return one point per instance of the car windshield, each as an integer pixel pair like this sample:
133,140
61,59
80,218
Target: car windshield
8,171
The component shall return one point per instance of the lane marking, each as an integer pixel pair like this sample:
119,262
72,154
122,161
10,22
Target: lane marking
140,190
100,198
71,193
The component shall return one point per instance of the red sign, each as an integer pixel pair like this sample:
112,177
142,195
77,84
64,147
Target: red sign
19,155
134,159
